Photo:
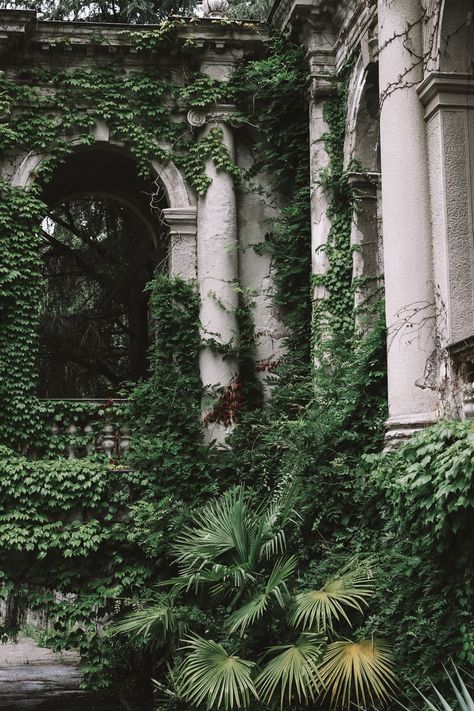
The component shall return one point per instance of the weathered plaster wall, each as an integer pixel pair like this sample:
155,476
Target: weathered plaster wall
256,214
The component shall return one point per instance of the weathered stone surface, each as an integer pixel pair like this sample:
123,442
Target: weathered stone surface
33,678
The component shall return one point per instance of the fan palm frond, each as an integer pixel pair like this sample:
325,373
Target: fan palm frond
275,515
359,672
319,609
233,531
209,675
275,545
248,613
193,580
275,587
152,625
220,527
293,672
463,697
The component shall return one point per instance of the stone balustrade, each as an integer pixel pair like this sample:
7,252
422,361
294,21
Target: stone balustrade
112,440
96,429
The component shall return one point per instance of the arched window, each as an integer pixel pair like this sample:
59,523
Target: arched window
102,244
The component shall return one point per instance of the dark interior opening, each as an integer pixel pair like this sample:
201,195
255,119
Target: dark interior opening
102,245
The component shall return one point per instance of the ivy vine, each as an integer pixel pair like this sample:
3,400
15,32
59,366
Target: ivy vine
43,109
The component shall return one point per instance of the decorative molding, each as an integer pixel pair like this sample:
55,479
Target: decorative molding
446,90
322,86
415,421
322,66
463,351
200,35
401,428
196,119
183,241
364,185
223,112
16,22
181,221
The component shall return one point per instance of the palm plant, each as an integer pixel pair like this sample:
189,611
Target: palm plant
233,559
464,699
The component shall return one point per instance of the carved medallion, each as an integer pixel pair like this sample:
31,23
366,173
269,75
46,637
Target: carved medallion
196,119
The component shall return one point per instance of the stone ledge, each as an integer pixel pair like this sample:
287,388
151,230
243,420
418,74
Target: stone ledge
446,90
20,29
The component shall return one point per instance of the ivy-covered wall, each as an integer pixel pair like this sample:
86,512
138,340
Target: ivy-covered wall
102,533
42,106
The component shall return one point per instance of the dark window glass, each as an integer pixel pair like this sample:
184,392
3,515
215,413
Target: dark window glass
99,254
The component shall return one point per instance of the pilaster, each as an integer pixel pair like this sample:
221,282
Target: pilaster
365,242
183,247
448,100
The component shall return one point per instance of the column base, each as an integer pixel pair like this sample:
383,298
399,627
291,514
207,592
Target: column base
401,428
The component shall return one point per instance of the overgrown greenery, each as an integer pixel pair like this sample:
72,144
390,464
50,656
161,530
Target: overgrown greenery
136,11
78,526
423,499
137,108
103,535
234,565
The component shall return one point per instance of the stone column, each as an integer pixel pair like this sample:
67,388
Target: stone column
217,260
365,244
182,247
410,311
322,70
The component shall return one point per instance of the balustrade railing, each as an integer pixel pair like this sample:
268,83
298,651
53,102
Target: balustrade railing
81,428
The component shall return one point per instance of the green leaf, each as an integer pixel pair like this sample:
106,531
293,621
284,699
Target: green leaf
151,625
210,675
293,672
275,587
320,609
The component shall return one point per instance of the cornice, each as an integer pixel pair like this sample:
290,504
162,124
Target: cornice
288,12
345,23
446,90
193,35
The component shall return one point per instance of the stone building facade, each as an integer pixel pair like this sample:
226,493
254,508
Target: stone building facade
410,129
409,149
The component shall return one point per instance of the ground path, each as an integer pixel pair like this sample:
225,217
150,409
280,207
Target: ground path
35,679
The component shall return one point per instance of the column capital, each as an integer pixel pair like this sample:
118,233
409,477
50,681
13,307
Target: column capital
446,90
182,221
322,67
221,113
322,86
364,185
